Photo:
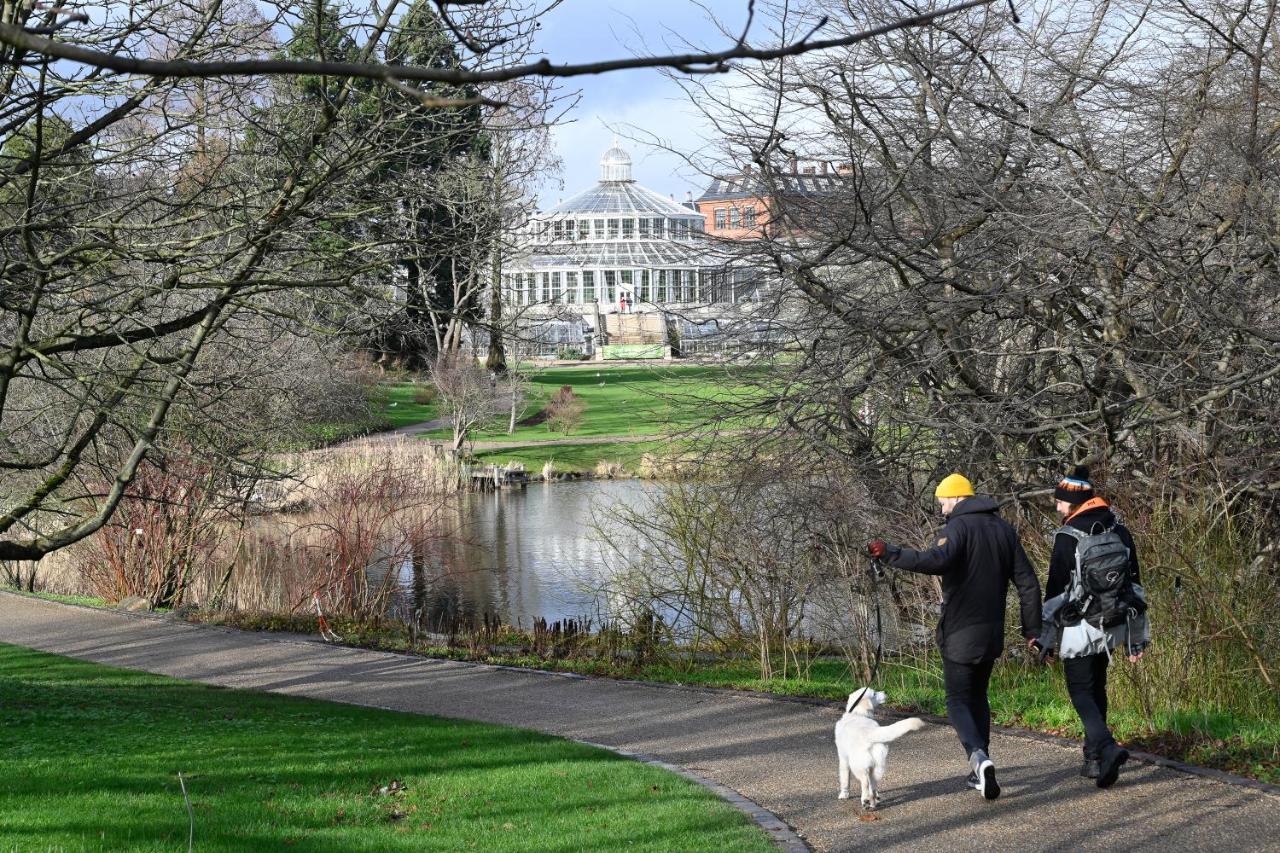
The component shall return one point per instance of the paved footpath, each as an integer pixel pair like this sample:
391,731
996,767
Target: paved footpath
778,753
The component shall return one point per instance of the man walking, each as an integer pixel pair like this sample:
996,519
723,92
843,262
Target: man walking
977,554
1089,616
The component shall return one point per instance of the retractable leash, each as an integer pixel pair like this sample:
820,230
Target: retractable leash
877,573
326,633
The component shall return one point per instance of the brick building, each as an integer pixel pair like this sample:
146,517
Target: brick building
743,206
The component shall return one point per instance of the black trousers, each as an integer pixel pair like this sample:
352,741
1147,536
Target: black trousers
1087,686
967,705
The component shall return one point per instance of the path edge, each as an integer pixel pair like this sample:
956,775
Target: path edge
783,836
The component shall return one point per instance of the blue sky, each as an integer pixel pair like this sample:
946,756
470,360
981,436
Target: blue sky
586,30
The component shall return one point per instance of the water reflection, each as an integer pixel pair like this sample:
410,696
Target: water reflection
520,554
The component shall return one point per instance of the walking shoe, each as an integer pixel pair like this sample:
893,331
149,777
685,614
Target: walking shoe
1109,767
1089,770
984,769
972,781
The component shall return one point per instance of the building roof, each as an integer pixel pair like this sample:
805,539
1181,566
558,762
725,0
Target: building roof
729,187
621,254
617,196
615,165
623,198
618,193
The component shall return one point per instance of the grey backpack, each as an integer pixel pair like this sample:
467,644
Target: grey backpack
1100,582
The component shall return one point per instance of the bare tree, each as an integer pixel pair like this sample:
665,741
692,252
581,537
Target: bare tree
469,395
1048,243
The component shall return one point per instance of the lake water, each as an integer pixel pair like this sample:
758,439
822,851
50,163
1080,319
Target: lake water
544,551
523,553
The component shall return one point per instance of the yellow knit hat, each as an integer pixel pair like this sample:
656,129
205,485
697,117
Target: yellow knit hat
953,486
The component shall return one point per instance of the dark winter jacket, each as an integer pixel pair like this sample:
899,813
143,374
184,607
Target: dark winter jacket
1096,512
977,555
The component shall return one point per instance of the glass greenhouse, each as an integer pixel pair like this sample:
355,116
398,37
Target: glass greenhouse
618,248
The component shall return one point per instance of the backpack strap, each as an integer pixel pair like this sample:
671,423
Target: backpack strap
1075,592
1074,532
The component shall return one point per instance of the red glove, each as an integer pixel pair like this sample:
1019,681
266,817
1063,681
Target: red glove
877,548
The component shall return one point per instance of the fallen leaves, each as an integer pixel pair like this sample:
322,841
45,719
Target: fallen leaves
395,786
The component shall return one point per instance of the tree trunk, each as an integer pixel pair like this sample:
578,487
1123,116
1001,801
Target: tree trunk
497,360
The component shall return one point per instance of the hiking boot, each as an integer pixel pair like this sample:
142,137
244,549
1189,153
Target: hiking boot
1089,770
1109,766
984,771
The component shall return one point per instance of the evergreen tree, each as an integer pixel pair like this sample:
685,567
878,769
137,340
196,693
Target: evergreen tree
444,218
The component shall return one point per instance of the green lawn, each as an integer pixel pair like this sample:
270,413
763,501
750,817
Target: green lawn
398,407
623,400
91,756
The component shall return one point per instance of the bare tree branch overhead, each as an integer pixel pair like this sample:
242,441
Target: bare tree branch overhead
25,40
180,178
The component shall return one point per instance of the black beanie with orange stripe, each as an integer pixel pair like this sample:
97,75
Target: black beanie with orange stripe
1076,488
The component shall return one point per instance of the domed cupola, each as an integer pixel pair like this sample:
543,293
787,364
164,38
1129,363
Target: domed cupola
615,165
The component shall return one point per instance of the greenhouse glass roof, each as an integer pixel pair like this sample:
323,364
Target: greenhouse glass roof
638,253
621,197
618,193
616,223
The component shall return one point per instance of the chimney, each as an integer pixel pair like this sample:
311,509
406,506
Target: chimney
688,197
795,166
824,167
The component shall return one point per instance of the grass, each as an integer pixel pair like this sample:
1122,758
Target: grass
91,757
575,458
324,434
405,410
621,401
86,600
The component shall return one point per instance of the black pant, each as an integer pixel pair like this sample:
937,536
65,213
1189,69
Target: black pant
967,705
1087,685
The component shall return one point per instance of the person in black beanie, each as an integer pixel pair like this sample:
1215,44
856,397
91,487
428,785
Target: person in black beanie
1080,508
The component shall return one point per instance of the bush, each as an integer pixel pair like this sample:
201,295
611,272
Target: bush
607,470
565,411
426,395
571,354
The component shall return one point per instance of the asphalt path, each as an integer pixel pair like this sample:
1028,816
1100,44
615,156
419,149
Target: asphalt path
777,753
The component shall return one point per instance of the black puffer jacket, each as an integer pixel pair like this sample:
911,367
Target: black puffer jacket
1064,546
977,554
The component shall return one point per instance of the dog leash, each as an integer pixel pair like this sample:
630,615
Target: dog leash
326,633
876,572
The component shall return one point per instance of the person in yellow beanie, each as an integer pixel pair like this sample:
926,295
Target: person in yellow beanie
977,554
953,486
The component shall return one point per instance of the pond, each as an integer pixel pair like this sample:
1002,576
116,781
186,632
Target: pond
522,554
541,552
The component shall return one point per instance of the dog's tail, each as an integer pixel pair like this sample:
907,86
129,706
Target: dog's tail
887,734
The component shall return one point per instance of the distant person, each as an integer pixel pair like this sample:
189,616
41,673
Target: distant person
1093,603
977,554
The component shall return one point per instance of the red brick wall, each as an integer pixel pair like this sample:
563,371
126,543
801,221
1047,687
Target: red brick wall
708,210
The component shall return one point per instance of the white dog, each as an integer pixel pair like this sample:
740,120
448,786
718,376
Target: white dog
863,745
